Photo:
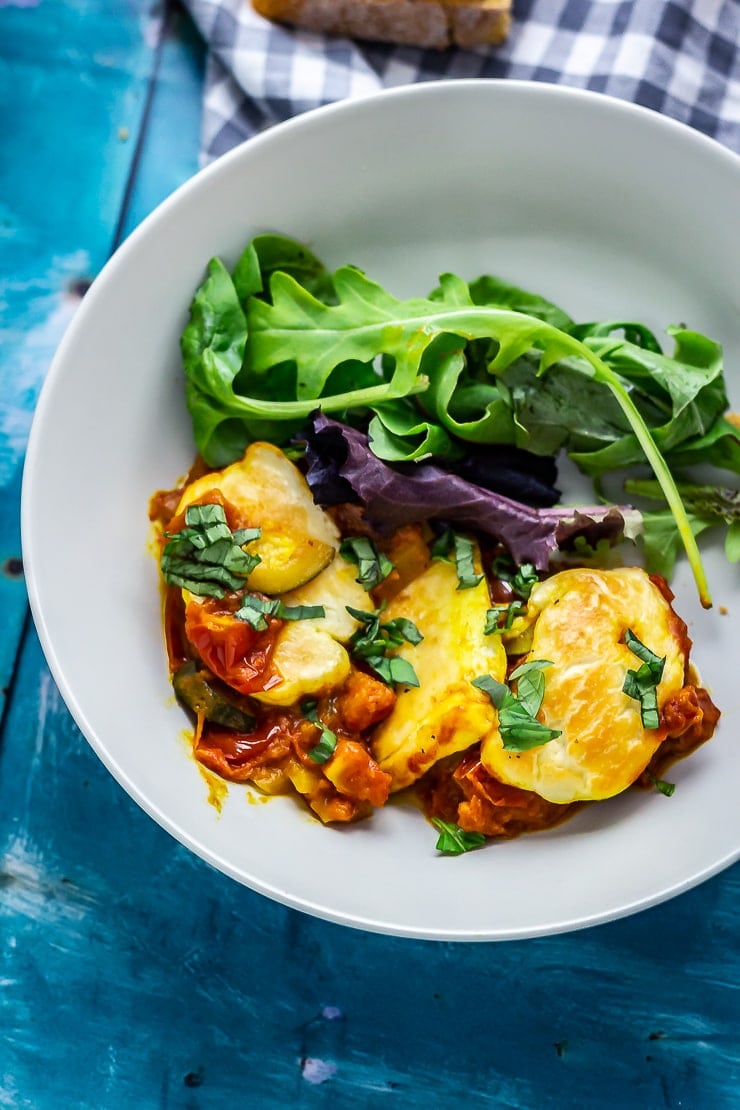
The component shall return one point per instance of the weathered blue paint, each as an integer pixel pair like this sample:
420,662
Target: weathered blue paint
131,973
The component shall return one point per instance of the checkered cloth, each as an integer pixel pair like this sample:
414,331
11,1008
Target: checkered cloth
679,57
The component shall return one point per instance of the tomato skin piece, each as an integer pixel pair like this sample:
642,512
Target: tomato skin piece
235,755
234,651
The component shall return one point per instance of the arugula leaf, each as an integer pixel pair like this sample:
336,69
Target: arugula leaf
638,334
300,341
705,506
518,727
494,291
268,254
205,557
732,542
326,746
372,564
368,321
398,433
642,684
255,610
453,840
471,409
463,550
213,346
661,542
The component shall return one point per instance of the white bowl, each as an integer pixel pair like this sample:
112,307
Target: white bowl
608,209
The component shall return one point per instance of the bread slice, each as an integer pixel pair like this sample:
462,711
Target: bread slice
428,23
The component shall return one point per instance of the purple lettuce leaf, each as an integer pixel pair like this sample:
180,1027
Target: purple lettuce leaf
342,467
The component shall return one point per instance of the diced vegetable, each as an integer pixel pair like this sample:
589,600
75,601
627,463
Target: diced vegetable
201,693
309,656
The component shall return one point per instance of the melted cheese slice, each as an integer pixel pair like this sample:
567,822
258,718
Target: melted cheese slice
265,490
444,714
578,619
309,655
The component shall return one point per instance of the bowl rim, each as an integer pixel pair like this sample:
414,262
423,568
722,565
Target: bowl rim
250,148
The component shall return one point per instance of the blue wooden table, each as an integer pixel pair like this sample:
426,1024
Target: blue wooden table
131,974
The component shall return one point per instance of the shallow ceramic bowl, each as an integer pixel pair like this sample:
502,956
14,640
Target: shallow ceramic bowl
610,210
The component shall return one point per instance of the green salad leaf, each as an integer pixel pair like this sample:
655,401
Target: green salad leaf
473,363
706,507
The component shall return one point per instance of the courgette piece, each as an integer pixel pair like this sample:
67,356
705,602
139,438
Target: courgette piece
199,691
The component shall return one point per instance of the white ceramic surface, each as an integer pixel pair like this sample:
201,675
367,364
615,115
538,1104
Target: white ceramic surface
611,211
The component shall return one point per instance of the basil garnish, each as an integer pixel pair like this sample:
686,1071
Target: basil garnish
494,621
324,750
642,684
462,549
521,579
374,640
517,723
255,611
663,787
453,840
373,565
206,557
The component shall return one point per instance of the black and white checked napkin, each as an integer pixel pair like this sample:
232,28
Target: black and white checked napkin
679,57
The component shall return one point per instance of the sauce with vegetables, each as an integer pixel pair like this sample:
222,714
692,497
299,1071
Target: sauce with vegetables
369,662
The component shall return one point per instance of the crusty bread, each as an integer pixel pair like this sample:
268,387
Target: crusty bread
429,23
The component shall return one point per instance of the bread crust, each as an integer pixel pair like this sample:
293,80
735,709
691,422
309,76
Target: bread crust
435,24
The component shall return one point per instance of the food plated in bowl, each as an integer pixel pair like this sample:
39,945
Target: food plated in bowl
385,873
369,655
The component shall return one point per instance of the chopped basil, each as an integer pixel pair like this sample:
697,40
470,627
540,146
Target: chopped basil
373,640
494,622
400,629
530,684
462,549
642,684
206,557
255,611
324,750
521,579
663,787
372,564
524,579
394,670
503,568
453,840
517,723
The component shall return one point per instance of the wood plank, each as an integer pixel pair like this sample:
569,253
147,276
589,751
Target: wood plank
169,154
73,80
134,973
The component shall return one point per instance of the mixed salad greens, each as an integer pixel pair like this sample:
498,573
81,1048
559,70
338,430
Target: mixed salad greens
420,386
